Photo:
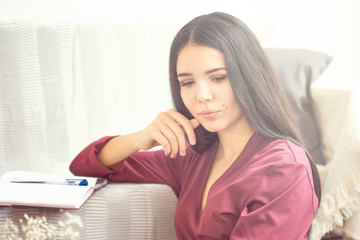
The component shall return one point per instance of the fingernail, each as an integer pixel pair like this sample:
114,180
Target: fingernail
193,141
183,152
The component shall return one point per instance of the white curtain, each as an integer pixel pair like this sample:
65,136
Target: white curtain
65,84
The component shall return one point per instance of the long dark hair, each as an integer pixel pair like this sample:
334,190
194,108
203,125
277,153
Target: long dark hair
252,79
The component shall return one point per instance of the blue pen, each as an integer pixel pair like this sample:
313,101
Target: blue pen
68,181
76,181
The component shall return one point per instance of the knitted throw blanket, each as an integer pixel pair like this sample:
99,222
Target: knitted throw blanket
338,110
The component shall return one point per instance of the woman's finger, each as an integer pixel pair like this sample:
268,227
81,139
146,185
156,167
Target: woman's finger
178,132
163,142
187,125
171,139
195,123
170,129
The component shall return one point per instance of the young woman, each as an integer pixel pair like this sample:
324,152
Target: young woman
231,151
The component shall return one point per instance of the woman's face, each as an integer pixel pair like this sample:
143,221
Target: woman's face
205,87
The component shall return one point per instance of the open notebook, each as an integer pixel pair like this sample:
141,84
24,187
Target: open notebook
40,189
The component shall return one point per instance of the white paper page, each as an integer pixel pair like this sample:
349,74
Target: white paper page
47,195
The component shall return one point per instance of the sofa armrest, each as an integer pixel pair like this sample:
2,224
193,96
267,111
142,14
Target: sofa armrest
117,211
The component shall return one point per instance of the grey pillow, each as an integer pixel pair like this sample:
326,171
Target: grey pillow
296,69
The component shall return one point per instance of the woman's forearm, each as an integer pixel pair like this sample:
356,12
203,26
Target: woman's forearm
118,148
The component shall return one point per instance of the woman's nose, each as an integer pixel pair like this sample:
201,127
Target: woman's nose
204,92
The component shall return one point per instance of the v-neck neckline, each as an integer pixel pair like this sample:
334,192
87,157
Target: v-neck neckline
212,156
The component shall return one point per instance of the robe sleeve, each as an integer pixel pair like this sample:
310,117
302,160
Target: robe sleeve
142,166
281,206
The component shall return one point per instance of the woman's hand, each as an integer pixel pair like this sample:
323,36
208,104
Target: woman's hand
169,129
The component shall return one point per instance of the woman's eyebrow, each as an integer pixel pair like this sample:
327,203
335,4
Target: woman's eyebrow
184,75
215,70
207,72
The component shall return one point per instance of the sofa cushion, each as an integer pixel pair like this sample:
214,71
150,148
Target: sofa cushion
296,69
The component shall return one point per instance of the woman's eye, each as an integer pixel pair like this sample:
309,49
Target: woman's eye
219,78
186,83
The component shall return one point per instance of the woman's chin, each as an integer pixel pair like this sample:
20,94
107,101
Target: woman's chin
211,127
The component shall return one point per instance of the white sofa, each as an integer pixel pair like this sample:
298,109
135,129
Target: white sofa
65,84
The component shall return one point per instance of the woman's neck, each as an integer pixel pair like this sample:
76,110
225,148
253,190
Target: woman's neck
233,141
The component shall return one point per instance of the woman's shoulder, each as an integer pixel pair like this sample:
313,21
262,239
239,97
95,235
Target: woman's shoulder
279,157
279,151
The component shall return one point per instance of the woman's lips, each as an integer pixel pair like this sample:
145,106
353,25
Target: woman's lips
209,114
